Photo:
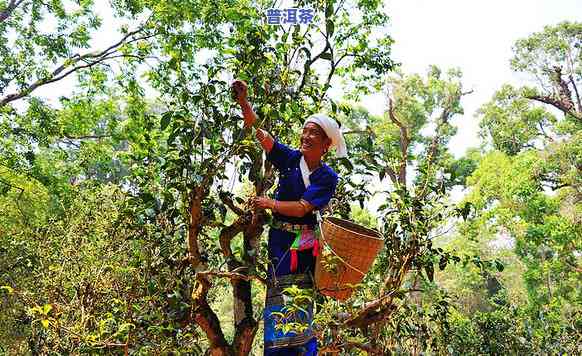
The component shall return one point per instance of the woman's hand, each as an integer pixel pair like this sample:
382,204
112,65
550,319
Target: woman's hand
263,203
239,88
288,208
265,139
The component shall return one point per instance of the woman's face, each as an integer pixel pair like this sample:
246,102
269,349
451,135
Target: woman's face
314,141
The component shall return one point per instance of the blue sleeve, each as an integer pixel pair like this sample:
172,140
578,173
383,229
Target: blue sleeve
281,155
321,189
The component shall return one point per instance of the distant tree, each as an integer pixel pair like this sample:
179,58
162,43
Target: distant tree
552,57
530,187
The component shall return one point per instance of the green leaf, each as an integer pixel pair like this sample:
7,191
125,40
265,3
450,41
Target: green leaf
173,136
333,106
443,263
346,163
326,55
165,121
429,269
329,9
8,289
329,27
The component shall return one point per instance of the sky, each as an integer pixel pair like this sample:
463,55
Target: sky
475,36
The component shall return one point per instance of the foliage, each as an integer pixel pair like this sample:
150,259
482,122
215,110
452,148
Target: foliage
527,190
91,281
511,330
121,229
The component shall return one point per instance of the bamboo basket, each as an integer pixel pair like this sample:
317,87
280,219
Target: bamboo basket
348,251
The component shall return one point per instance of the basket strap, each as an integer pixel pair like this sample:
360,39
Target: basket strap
319,220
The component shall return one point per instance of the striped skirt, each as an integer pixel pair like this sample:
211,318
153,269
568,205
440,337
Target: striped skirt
288,316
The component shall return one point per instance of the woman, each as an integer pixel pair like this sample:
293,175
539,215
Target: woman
306,185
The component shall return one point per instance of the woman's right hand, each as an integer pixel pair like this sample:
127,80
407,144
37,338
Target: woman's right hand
263,203
239,88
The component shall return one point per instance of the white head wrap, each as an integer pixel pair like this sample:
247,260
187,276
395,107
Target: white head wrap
332,131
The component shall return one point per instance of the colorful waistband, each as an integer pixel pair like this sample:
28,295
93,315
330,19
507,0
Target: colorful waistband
291,227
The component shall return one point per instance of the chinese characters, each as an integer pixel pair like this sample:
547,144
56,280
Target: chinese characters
291,16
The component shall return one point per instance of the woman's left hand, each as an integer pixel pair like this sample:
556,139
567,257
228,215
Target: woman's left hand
263,203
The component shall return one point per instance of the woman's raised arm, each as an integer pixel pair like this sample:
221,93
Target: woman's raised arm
249,116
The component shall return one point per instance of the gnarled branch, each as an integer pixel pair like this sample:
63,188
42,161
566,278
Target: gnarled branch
73,64
576,92
195,224
564,107
244,335
7,12
563,100
228,233
228,202
206,318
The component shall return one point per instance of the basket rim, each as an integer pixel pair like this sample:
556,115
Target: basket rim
331,218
